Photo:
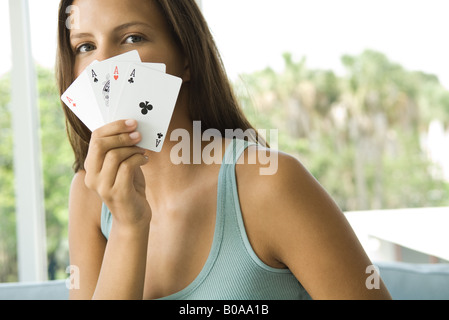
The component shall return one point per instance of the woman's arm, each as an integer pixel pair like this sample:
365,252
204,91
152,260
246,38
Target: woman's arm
86,243
301,227
114,269
108,270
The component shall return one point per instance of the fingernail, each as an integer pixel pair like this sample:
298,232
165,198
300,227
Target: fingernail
134,135
130,122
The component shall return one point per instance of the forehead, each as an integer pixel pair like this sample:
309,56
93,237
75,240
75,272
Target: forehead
108,14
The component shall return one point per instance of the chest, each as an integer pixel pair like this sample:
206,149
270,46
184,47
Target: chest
179,245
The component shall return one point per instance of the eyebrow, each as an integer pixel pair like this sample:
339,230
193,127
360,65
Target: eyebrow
132,24
116,29
79,35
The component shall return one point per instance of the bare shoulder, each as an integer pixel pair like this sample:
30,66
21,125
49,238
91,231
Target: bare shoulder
275,178
292,204
83,202
277,196
291,219
86,242
84,211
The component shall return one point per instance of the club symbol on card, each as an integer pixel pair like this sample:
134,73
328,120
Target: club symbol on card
132,76
158,141
145,106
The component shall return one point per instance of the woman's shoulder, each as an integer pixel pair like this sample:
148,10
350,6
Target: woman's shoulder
78,186
278,187
269,170
276,193
84,203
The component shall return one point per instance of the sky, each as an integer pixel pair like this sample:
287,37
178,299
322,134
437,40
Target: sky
253,34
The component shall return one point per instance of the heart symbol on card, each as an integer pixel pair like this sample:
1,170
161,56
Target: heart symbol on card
116,73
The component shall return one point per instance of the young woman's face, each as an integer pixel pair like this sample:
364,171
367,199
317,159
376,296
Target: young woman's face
112,27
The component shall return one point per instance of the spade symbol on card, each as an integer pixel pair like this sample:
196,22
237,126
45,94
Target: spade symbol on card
145,106
158,141
94,75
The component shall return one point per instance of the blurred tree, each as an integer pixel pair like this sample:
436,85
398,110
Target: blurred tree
57,166
360,134
8,251
57,160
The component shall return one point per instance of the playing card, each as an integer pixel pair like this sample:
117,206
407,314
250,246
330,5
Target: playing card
80,98
125,88
150,99
100,79
119,72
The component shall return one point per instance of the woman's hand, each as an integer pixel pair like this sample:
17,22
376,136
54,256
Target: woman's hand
113,170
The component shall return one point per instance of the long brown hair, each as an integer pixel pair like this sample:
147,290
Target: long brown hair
212,100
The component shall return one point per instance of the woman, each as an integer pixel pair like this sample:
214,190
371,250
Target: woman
144,227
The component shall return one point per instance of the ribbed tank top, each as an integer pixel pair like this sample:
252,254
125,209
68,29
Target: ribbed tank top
232,270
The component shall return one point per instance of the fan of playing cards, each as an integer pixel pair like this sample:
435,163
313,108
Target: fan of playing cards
122,88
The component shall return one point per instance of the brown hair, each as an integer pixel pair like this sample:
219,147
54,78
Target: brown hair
212,100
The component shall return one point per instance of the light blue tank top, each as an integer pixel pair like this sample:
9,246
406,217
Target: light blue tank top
232,271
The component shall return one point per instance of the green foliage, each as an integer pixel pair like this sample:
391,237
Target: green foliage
359,134
57,158
8,256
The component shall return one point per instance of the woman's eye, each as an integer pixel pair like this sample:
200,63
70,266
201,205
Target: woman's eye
86,48
133,39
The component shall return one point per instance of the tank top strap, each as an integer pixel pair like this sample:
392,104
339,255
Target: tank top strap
234,151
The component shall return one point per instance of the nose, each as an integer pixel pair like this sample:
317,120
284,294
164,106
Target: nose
105,53
106,48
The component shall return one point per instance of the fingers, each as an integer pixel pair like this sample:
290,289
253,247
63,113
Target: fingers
115,127
110,146
115,135
113,170
127,171
115,159
101,146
